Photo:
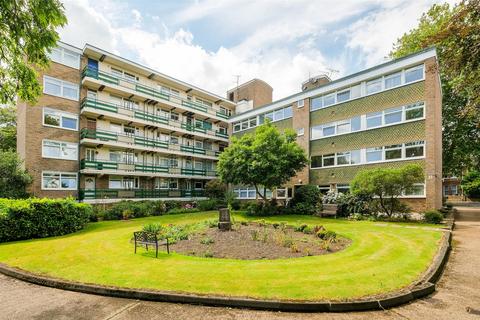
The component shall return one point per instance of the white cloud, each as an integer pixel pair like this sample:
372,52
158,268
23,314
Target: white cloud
281,42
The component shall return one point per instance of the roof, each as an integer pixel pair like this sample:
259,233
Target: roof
247,83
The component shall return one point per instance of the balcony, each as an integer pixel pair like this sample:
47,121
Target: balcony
143,142
157,94
161,194
147,169
102,106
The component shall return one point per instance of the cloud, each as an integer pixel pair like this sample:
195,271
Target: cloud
281,42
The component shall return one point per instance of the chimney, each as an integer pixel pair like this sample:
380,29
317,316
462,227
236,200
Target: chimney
315,82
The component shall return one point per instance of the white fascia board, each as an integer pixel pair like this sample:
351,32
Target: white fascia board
374,72
69,47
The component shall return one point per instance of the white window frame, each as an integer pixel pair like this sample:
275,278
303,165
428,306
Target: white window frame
300,103
60,173
61,114
62,85
62,52
61,143
300,132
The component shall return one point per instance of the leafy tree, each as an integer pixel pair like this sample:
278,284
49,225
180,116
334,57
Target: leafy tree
387,184
454,31
306,200
471,184
27,33
215,189
265,158
13,178
8,128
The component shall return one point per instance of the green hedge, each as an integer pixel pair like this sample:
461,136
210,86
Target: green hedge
40,218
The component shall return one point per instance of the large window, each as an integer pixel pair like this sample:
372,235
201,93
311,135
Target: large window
59,88
393,115
393,80
418,190
66,57
414,149
60,119
59,150
277,115
374,154
374,119
374,86
52,180
245,192
414,74
165,183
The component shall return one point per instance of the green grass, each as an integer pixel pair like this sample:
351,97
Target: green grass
380,259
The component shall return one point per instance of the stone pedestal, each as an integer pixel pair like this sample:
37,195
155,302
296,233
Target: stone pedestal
224,222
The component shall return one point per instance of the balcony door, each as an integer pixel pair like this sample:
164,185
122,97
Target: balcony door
90,183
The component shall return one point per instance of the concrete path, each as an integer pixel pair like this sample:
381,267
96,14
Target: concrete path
458,296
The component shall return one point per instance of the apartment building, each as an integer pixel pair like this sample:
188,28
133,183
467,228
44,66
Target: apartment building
107,128
385,116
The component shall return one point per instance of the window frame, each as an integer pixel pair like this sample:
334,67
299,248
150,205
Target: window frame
59,173
60,145
63,83
61,115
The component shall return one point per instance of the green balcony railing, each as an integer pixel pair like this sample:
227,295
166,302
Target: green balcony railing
132,84
201,127
144,142
99,164
140,193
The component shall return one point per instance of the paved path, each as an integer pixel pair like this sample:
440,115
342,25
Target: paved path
458,296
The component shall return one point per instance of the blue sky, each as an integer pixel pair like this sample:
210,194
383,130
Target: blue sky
207,42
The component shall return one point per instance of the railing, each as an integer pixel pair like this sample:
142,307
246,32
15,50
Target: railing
94,73
143,141
99,164
146,116
140,193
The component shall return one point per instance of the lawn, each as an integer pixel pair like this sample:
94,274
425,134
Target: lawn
382,257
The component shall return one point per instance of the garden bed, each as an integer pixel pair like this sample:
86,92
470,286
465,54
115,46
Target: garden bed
254,240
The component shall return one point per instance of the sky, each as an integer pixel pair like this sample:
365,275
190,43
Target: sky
208,43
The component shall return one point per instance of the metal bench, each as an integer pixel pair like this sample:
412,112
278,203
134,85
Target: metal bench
145,239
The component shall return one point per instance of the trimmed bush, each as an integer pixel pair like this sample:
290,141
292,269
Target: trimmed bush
183,210
433,216
207,205
40,218
306,200
134,209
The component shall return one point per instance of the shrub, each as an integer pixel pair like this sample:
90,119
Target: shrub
183,210
331,197
433,216
326,234
263,209
206,205
348,204
172,204
40,218
306,200
471,184
153,228
215,189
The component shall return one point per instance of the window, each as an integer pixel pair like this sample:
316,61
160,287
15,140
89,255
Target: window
281,193
316,161
393,152
129,183
374,119
261,119
414,74
329,160
418,189
414,111
343,188
269,116
253,122
328,130
343,127
343,96
356,124
355,157
324,189
114,183
245,192
59,181
59,150
236,127
393,80
198,185
300,104
287,112
328,100
316,132
59,119
316,103
66,57
393,115
59,88
300,132
374,86
278,115
355,91
343,158
414,149
164,183
173,140
174,116
374,154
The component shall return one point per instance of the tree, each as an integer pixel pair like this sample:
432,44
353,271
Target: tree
306,200
8,128
471,184
215,189
265,158
387,184
27,34
454,31
13,178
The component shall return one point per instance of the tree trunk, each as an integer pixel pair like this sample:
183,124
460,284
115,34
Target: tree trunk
258,192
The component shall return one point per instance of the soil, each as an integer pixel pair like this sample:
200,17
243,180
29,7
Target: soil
254,241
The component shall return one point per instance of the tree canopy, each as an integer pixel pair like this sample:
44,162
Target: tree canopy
471,184
27,33
13,178
8,128
265,159
387,184
455,32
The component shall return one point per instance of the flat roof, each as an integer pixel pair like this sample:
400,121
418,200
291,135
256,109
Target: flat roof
375,71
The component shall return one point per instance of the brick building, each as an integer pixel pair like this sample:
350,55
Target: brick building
107,128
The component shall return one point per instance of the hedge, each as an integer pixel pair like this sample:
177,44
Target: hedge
40,218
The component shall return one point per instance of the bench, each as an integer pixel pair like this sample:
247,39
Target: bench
145,239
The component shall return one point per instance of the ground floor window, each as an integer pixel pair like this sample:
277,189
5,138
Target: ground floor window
198,185
124,183
418,190
324,189
165,183
281,193
343,188
245,192
59,180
